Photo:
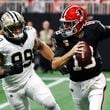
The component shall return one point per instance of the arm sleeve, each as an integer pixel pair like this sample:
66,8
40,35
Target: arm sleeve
104,31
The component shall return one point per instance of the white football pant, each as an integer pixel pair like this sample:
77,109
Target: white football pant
34,89
89,94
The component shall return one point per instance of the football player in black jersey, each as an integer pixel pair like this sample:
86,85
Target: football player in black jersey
87,83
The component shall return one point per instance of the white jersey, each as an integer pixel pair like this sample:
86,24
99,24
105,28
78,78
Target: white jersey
13,52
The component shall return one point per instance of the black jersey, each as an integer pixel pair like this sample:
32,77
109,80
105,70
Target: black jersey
94,32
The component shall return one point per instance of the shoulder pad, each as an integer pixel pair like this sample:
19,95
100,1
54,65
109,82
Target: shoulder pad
30,29
57,36
92,22
1,38
3,41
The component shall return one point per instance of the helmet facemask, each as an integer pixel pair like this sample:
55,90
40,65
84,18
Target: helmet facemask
69,28
15,31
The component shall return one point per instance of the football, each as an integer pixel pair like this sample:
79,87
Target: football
84,58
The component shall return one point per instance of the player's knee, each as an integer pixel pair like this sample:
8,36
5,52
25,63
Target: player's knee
17,107
51,104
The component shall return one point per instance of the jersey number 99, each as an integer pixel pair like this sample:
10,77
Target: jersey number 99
27,55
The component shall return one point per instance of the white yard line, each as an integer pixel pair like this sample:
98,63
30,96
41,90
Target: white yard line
54,78
108,79
4,105
56,82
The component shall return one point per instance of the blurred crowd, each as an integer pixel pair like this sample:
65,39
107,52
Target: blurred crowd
45,6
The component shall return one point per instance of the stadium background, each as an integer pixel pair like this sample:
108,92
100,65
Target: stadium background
98,9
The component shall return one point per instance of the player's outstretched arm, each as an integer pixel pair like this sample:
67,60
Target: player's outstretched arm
44,49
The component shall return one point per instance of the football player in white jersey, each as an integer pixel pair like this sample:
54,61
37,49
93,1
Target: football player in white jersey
20,81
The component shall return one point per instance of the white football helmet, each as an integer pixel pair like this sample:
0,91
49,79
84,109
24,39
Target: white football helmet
12,24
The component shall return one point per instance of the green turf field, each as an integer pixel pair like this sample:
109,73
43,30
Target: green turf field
59,87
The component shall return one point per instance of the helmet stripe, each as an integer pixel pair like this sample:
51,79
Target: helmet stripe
65,11
8,14
13,16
